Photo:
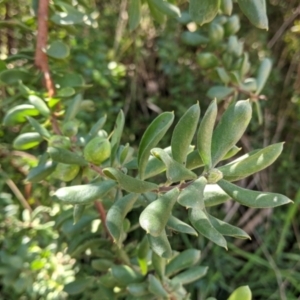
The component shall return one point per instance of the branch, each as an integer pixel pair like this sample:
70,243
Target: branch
41,59
102,214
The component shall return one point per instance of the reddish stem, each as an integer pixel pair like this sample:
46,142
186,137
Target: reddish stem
102,214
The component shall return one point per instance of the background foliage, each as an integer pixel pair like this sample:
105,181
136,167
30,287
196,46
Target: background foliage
146,71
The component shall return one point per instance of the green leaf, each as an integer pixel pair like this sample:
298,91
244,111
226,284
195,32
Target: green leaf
78,211
242,292
253,198
203,11
116,215
192,195
190,275
138,289
65,156
230,129
214,195
193,38
263,74
232,26
117,134
69,80
19,113
65,92
256,12
227,229
14,76
226,6
177,225
134,13
159,264
175,171
125,275
160,245
183,133
95,128
101,265
184,260
157,15
202,224
42,131
129,183
166,8
194,160
84,194
58,50
155,216
142,255
223,75
219,92
207,60
78,286
69,15
27,140
232,152
216,33
156,288
205,132
73,108
39,104
40,172
252,163
153,134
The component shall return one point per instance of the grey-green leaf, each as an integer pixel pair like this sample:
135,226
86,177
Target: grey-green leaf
166,8
65,156
214,195
263,74
160,245
134,14
177,225
43,132
203,11
219,92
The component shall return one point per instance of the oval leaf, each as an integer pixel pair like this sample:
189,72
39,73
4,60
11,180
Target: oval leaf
40,172
219,92
190,275
166,8
39,104
134,13
27,140
19,113
160,245
203,11
177,225
263,74
42,131
214,195
58,50
125,275
242,292
65,156
156,288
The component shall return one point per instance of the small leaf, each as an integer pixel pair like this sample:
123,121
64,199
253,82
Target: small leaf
65,156
207,60
230,129
78,286
227,229
84,194
138,289
232,26
252,163
95,129
192,195
58,50
193,38
158,16
129,183
203,11
190,275
166,8
214,195
155,216
19,113
68,16
184,260
183,133
156,288
134,13
223,75
142,255
194,160
101,265
42,131
160,245
14,76
27,140
125,275
256,12
73,108
242,292
205,132
39,104
177,225
263,74
117,134
253,198
78,211
159,264
226,6
153,134
219,92
202,224
40,172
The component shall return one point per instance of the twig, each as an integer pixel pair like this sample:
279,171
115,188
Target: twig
102,214
41,59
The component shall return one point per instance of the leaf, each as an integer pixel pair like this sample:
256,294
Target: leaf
65,156
242,292
138,289
207,60
65,92
184,260
158,16
253,198
73,108
42,131
232,26
175,171
230,129
156,288
27,140
194,160
39,104
203,11
129,183
177,225
153,134
142,255
154,217
223,75
69,80
227,229
252,163
95,128
78,211
226,6
202,224
193,38
263,74
58,50
159,264
214,195
160,245
190,275
166,8
69,15
40,172
14,76
19,113
116,215
134,13
192,195
78,286
205,132
256,12
117,134
219,92
84,194
101,265
125,275
183,133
